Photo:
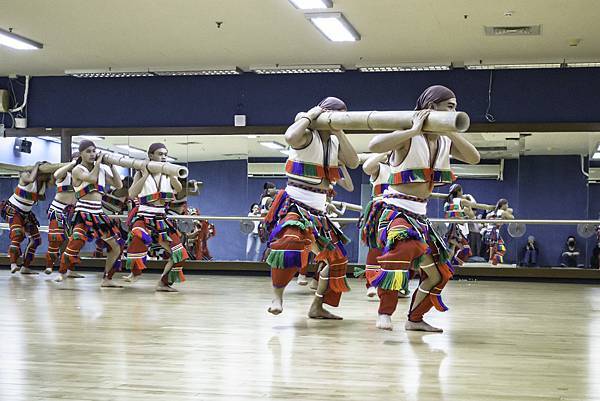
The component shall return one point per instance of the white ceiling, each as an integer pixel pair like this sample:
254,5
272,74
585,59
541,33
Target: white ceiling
223,147
182,33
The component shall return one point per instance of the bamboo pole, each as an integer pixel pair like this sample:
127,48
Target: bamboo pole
153,167
437,121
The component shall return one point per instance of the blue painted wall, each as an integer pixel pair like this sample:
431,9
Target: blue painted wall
518,96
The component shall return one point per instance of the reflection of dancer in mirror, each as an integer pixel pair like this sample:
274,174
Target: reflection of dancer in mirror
266,200
20,218
203,231
459,206
90,179
59,215
398,223
297,217
377,166
267,197
492,238
179,207
149,222
253,241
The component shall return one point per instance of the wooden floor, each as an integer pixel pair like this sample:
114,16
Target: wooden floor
215,341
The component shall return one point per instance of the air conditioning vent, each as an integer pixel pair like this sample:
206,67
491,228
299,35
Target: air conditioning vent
266,170
594,175
479,171
531,30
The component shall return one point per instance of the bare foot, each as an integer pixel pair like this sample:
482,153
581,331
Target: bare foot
314,284
384,322
421,326
72,274
14,268
132,278
162,287
48,270
106,283
276,307
302,280
317,312
371,292
27,270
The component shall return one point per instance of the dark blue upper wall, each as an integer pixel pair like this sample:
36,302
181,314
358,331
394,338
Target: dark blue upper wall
518,96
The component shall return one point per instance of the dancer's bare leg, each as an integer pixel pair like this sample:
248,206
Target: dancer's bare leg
433,278
111,257
316,310
161,286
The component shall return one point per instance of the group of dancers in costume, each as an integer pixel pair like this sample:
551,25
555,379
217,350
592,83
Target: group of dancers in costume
404,168
79,213
401,240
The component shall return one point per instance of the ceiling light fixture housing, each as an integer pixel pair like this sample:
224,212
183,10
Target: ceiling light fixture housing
396,68
109,73
298,69
334,26
511,66
18,42
584,65
193,71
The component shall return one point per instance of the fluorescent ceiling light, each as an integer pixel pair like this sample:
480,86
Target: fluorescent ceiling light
334,26
80,138
596,156
18,42
273,145
50,138
311,4
584,65
130,148
182,72
408,67
511,66
298,69
109,73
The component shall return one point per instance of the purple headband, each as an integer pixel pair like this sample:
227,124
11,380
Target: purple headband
433,94
155,146
333,103
86,143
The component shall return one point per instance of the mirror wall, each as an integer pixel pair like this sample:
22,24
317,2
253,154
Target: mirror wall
541,175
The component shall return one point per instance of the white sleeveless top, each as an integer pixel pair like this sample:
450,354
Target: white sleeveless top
66,184
416,165
454,209
311,164
25,196
85,187
381,183
156,187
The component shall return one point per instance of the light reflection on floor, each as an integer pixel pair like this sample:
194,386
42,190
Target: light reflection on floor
214,340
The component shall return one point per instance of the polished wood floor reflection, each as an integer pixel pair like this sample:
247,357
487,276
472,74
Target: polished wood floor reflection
215,341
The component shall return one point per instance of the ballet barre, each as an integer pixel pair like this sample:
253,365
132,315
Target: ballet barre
4,226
